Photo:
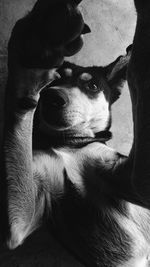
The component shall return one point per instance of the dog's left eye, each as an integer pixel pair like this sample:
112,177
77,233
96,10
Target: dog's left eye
87,82
91,86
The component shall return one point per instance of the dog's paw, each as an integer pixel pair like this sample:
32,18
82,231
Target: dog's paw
26,84
49,32
40,41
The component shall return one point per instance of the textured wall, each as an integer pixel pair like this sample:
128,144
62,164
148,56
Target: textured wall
112,23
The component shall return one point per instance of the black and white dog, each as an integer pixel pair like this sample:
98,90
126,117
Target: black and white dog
56,166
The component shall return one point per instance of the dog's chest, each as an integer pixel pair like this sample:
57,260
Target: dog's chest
113,233
101,238
137,225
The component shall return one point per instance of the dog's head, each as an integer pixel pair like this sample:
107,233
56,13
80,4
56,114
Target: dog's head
78,104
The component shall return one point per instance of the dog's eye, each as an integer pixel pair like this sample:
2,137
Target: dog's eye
91,86
87,82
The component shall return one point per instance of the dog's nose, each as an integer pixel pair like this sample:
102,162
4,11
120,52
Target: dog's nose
54,98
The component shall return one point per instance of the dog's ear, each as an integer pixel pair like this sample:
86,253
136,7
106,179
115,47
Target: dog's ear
116,72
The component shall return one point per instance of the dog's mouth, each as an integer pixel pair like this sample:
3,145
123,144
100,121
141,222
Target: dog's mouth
61,134
79,141
50,135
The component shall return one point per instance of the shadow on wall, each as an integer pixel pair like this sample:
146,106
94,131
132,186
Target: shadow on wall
112,23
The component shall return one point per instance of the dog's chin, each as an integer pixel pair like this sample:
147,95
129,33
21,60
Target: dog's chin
75,136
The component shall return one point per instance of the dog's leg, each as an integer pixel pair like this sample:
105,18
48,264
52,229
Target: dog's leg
18,164
132,176
23,88
139,84
18,151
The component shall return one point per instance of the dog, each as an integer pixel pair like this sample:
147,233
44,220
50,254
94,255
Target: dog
57,167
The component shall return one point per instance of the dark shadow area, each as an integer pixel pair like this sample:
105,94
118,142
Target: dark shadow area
40,249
